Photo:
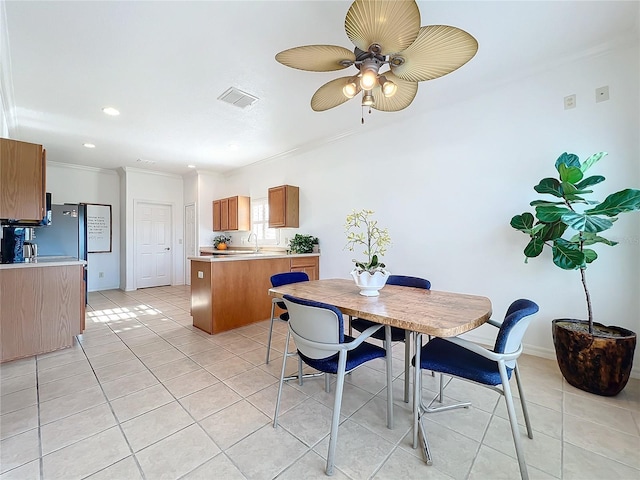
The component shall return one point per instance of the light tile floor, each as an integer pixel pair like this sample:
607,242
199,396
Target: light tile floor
144,395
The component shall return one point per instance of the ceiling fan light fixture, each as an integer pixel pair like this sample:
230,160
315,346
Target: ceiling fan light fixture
389,88
367,99
350,89
368,79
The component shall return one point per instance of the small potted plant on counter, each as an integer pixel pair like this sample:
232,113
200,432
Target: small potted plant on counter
362,230
593,357
221,241
301,243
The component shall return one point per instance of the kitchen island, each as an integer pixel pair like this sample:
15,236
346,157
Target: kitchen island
230,290
42,306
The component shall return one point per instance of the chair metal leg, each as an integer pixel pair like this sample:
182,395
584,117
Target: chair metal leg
523,402
327,383
284,364
407,362
333,440
388,358
300,376
417,388
273,307
508,398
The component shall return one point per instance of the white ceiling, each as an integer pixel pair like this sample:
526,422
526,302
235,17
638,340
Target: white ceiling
164,64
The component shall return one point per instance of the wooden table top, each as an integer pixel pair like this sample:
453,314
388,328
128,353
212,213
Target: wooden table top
440,314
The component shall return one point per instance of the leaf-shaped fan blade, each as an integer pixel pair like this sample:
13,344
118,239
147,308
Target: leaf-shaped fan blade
316,58
438,50
330,94
391,24
402,99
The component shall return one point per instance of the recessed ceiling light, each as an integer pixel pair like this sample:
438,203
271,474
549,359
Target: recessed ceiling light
88,145
111,111
191,166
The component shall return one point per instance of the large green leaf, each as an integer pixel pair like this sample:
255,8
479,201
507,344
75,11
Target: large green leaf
549,185
626,200
589,162
550,213
586,223
592,238
568,159
589,255
589,181
551,231
523,222
544,202
534,247
567,255
569,174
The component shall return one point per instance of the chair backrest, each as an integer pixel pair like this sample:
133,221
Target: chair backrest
286,278
314,322
405,281
514,325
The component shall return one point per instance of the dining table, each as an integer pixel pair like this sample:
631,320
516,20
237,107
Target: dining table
423,312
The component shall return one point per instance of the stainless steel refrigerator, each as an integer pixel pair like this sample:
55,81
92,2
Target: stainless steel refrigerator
66,236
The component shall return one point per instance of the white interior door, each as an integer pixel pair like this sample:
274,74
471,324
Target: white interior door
189,239
153,245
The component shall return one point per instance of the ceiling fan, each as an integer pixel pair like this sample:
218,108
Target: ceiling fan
384,32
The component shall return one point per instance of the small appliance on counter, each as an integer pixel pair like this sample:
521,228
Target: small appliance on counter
12,248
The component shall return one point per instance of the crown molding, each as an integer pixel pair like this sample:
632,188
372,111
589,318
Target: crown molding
81,167
126,170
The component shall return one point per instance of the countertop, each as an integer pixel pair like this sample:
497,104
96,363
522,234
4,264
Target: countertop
45,261
233,257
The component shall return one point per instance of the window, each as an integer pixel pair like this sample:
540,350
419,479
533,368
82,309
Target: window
260,223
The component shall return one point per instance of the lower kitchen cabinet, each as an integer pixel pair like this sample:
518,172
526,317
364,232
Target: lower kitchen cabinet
41,309
308,265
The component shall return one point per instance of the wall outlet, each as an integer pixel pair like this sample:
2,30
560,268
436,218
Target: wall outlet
570,101
100,274
200,274
602,94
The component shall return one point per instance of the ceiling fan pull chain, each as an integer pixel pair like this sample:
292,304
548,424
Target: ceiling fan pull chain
362,114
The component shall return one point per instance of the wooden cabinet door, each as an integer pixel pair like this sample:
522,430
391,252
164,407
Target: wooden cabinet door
309,265
224,214
284,207
22,180
233,213
216,216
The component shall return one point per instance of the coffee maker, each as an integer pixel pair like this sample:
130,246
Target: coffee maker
13,244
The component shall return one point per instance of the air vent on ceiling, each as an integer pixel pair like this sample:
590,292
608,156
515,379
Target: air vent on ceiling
238,98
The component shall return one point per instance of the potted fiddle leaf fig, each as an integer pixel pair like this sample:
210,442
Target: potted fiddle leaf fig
362,230
593,357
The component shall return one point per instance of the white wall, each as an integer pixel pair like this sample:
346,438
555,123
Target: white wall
447,183
211,186
152,187
77,184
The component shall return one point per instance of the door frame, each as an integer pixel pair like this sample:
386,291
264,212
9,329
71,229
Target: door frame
136,204
187,265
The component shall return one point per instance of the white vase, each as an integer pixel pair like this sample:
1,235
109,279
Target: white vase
368,283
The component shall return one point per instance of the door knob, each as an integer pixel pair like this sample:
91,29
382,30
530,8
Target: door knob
168,248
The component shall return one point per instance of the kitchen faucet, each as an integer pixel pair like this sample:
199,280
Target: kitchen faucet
256,237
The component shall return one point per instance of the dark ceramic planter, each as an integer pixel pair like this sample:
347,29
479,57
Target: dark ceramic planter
599,363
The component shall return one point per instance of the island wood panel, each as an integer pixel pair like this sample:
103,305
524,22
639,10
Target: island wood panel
40,309
232,294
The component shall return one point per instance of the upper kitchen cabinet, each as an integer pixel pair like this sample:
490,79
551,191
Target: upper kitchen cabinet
232,213
284,210
22,180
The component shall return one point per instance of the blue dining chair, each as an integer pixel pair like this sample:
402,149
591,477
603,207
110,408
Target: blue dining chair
469,361
318,332
397,334
278,280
